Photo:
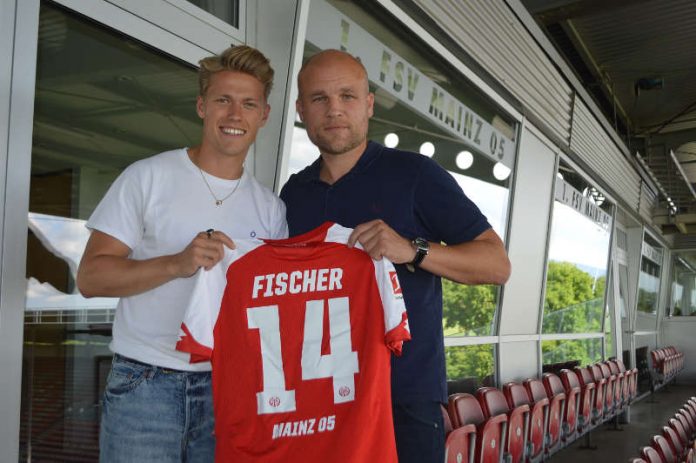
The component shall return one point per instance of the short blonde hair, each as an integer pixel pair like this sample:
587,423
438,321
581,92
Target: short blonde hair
241,58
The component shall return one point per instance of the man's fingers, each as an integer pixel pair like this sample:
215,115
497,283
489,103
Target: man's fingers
359,233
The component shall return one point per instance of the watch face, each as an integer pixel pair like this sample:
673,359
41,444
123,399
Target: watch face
421,244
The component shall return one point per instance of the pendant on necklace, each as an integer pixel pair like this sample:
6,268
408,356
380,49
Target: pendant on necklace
218,202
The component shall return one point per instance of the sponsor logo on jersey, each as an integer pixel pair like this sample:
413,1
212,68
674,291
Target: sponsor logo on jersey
396,286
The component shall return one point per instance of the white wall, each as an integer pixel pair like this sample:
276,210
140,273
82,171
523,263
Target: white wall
680,332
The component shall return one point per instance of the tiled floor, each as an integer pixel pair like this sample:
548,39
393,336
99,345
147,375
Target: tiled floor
647,418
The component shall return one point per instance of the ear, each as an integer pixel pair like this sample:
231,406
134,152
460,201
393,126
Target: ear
200,107
298,108
370,104
266,112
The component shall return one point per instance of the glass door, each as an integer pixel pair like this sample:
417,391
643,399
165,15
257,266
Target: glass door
102,101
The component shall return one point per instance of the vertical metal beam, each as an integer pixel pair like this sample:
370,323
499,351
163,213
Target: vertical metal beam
19,46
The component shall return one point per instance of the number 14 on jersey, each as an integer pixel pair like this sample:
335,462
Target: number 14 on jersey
340,365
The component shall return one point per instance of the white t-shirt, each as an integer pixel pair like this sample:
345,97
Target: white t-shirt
156,207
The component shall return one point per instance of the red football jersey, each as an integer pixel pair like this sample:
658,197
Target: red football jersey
299,333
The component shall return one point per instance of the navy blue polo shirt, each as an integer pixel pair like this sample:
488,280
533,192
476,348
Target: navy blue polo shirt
417,198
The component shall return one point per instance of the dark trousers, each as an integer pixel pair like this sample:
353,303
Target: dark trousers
420,434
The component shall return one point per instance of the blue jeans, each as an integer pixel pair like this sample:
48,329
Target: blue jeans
152,414
419,430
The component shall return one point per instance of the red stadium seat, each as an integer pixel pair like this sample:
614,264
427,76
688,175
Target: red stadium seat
679,429
459,443
493,403
623,378
650,455
674,441
614,383
516,396
658,367
691,456
687,427
689,421
690,410
464,409
584,399
586,378
537,391
636,460
608,390
660,444
569,417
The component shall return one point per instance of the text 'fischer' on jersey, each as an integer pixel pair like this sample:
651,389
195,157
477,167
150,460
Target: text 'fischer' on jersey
314,280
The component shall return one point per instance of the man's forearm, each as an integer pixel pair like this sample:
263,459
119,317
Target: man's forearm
115,276
482,261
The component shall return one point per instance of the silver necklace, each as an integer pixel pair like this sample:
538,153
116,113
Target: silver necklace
219,201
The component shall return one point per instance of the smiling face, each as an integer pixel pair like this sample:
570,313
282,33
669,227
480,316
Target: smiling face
233,109
335,103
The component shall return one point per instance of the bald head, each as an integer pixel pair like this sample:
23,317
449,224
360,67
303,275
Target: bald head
335,103
331,58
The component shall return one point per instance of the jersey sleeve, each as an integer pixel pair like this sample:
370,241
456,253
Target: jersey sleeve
196,334
395,317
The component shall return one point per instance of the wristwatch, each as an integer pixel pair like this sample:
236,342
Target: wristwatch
422,248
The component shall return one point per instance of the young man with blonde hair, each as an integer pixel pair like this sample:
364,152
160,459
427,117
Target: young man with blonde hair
162,220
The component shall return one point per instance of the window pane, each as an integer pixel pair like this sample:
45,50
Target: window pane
227,10
578,256
470,367
583,351
458,127
102,102
649,285
683,299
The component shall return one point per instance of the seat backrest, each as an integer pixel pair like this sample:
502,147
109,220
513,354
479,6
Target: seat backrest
691,410
459,445
620,364
673,440
516,395
650,455
584,375
569,379
680,430
613,367
636,460
687,426
492,401
446,419
552,384
535,389
654,355
660,444
571,382
689,419
465,409
596,372
606,372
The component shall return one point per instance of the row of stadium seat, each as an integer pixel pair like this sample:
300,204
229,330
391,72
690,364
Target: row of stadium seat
666,362
676,444
532,420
